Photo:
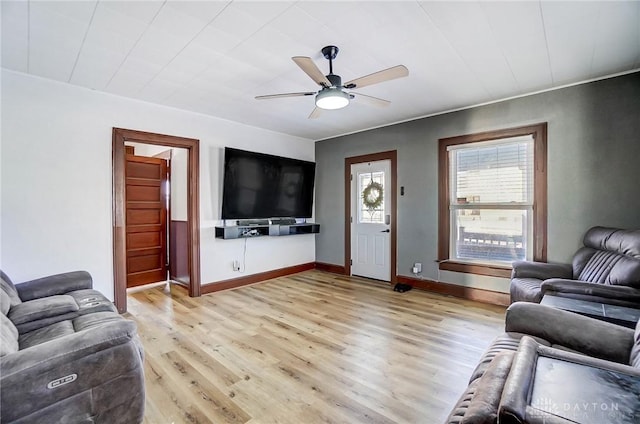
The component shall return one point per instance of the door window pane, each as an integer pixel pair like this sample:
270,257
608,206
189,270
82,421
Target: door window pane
367,214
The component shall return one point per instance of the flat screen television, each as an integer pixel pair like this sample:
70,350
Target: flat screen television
258,185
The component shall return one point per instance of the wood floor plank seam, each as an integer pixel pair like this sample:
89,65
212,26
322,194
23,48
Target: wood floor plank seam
310,348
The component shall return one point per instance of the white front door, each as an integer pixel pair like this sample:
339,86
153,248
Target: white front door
371,219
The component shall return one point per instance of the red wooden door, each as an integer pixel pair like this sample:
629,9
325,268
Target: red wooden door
146,220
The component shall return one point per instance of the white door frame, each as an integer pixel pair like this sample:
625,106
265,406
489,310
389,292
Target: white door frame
392,157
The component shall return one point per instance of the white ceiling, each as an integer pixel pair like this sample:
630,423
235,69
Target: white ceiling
213,57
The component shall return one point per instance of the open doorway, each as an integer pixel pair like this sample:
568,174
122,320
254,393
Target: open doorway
156,215
187,267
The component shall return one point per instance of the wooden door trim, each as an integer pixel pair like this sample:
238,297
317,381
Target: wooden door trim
119,137
392,156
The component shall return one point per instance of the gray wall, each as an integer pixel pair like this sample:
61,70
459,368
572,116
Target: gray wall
593,169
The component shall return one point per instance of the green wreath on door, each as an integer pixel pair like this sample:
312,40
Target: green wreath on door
373,195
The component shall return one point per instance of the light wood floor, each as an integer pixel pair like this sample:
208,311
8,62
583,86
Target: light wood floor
308,348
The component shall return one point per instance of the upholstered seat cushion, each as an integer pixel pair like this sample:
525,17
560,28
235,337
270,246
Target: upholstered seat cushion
45,334
65,328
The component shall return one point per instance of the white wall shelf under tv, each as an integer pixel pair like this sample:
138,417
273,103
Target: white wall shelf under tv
246,231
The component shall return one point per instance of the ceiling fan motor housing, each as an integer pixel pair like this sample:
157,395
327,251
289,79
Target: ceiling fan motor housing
336,81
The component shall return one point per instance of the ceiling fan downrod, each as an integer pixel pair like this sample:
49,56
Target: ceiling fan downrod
330,53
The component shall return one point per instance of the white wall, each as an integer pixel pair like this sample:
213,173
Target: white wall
56,200
147,150
179,184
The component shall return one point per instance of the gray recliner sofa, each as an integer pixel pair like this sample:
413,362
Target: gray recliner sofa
605,270
66,356
563,334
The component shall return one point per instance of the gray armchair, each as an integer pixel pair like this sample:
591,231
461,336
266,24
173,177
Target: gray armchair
554,386
606,270
494,384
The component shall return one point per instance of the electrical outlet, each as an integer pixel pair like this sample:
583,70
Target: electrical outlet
236,265
418,267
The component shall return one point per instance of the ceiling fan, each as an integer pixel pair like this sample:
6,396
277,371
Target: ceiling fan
333,94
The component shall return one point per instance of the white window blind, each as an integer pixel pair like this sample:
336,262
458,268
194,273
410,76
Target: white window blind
491,199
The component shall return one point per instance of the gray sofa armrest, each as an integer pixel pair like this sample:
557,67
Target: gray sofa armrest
560,285
540,270
52,371
579,333
54,284
483,408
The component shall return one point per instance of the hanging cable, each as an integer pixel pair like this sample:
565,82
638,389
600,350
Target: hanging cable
244,256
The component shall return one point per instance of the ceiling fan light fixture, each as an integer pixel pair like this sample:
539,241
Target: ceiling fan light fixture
332,94
332,98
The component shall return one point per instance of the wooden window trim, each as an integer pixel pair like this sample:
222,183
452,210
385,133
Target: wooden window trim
539,134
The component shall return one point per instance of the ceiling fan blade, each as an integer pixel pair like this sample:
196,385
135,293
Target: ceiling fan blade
275,96
309,67
377,77
375,101
315,113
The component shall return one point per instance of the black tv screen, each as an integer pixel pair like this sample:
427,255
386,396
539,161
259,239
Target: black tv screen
258,185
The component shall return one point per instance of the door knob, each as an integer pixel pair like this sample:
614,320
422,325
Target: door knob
385,231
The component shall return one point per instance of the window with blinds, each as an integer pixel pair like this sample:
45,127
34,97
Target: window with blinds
491,200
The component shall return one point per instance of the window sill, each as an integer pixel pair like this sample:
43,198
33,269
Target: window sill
490,270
